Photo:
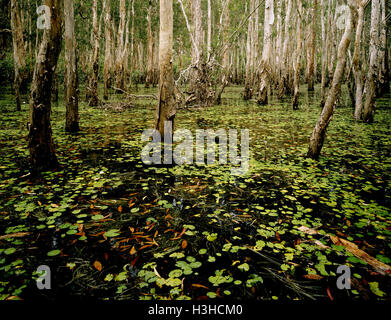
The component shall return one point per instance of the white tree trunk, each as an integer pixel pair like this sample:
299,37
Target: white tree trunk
297,67
166,109
357,67
369,108
266,53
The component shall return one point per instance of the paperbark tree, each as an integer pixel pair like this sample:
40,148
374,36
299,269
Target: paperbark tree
266,53
19,51
278,46
199,78
41,146
311,62
384,79
284,83
297,67
369,108
356,63
226,51
166,109
92,95
319,133
119,60
71,73
149,74
108,62
132,62
248,86
324,54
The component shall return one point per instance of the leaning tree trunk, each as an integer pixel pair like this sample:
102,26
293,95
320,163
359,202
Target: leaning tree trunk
319,133
266,54
369,108
166,109
19,51
297,68
42,152
71,74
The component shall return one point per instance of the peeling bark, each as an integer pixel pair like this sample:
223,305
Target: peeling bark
266,53
166,109
42,151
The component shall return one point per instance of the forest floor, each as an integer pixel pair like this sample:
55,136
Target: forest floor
110,227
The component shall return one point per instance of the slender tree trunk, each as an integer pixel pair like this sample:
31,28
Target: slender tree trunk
93,90
332,37
266,54
19,52
297,68
357,67
384,81
324,55
71,73
42,152
149,75
226,53
278,54
108,53
166,109
125,54
155,73
284,84
255,46
119,59
30,55
369,108
248,86
311,69
199,81
132,50
319,133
